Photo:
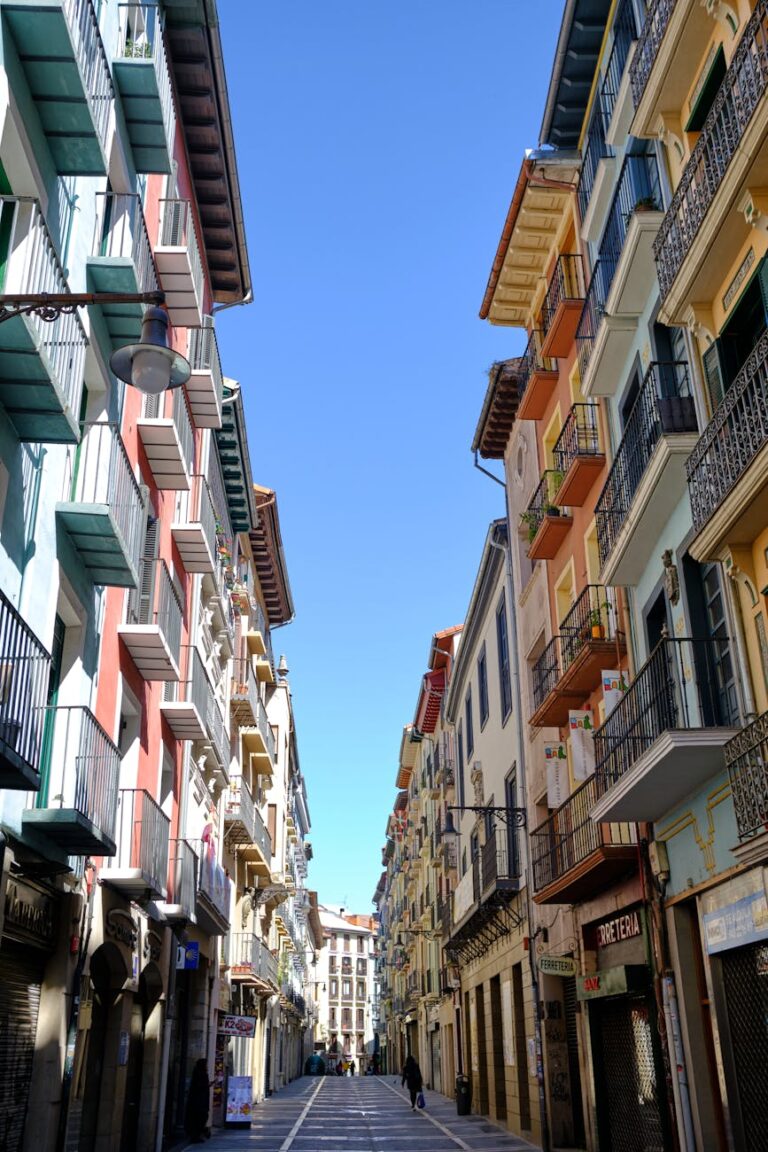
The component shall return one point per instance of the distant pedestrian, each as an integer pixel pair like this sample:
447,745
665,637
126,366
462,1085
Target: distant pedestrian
352,1068
196,1117
339,1069
412,1078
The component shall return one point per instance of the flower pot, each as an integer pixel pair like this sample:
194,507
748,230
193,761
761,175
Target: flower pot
598,632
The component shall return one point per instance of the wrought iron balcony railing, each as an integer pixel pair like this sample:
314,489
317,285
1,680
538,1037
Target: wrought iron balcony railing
651,36
638,189
742,89
532,360
732,439
83,770
746,757
24,671
249,955
543,502
580,436
664,406
592,617
684,684
546,672
142,841
592,313
624,34
595,150
569,837
500,863
566,283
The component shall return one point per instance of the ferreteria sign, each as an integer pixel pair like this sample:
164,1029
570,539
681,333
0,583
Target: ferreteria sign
556,965
625,926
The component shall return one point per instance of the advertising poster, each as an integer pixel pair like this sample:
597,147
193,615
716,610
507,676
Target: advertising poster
237,1025
239,1100
556,759
582,729
507,1030
614,687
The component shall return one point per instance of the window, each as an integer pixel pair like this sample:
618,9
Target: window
482,686
468,723
361,989
510,797
460,764
360,1019
346,989
334,987
362,966
333,1021
361,944
502,639
346,1019
360,1044
346,942
334,942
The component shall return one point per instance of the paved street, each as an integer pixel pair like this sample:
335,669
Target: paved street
362,1114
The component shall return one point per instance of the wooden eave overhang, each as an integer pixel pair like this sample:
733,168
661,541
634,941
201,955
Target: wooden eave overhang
499,409
196,60
267,546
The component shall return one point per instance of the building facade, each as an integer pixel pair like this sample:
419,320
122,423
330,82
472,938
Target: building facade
347,991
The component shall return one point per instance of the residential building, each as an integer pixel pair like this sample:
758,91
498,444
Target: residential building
347,989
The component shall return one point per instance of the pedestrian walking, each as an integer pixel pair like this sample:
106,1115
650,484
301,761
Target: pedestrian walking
339,1069
412,1078
352,1068
196,1117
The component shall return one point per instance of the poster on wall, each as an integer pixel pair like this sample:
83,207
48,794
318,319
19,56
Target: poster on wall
239,1100
614,687
507,1031
581,728
556,759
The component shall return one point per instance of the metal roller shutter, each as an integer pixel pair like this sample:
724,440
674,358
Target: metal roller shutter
21,973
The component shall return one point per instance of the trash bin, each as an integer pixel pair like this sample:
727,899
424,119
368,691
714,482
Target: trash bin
463,1095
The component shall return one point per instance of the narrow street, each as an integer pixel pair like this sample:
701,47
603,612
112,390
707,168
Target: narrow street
362,1114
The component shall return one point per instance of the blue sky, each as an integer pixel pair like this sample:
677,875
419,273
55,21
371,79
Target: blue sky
378,144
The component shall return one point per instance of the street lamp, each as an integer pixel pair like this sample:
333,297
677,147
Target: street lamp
149,366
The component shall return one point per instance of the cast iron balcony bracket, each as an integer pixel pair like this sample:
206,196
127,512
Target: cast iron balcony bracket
516,817
48,306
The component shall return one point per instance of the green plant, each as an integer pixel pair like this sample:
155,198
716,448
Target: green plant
531,521
642,204
138,49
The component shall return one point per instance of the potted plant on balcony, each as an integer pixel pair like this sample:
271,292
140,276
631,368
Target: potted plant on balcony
642,204
530,520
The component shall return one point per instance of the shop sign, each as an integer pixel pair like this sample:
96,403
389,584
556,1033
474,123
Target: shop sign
612,981
188,957
237,1025
556,965
122,927
625,926
153,946
743,922
29,913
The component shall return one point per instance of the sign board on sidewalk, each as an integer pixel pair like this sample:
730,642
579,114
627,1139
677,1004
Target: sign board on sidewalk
239,1100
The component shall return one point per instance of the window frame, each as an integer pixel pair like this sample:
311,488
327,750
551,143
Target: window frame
482,687
502,648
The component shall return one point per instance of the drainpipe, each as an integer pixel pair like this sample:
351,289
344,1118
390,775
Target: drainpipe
520,752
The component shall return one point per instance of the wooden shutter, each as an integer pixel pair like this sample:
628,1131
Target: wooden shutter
147,579
714,374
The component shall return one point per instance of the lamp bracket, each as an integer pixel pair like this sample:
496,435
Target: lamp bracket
48,306
514,816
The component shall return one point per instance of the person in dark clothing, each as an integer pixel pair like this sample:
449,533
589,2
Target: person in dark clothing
196,1119
412,1078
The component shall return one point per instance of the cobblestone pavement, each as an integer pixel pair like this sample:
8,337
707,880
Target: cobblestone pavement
361,1114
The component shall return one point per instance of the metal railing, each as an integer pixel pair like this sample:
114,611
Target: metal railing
121,233
217,732
173,406
580,436
746,757
595,150
664,406
248,951
142,836
566,283
244,687
200,510
182,870
141,38
499,858
592,313
569,837
25,667
265,728
213,881
732,439
84,768
203,356
624,34
92,62
103,475
532,360
177,230
651,36
546,672
543,502
194,688
742,89
638,189
592,617
156,601
684,684
32,266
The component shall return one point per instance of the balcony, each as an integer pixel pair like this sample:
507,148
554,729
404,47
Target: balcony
616,91
214,893
194,529
142,77
24,671
728,468
647,477
667,57
245,828
259,742
140,867
205,387
77,808
265,664
578,455
179,906
573,857
538,377
244,696
67,72
569,669
562,305
104,519
596,181
746,757
217,738
152,631
483,911
702,229
165,430
179,264
623,278
187,704
257,630
41,363
665,738
546,524
121,261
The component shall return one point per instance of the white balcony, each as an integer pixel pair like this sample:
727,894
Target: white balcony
179,264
